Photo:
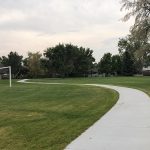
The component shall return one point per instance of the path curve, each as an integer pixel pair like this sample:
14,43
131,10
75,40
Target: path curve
125,127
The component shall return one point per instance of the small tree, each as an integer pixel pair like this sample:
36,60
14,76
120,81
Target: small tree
15,61
127,64
116,64
105,64
34,63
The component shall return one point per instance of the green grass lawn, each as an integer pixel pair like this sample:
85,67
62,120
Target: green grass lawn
141,83
48,117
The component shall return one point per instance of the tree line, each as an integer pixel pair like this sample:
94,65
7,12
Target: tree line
67,60
63,60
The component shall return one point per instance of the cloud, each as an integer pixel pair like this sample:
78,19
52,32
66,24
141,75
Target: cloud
48,22
55,16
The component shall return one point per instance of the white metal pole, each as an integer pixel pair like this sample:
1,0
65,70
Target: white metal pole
10,76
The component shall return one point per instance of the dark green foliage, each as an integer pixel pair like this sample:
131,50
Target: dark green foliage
110,65
15,61
127,64
116,65
123,64
68,60
105,64
59,61
34,64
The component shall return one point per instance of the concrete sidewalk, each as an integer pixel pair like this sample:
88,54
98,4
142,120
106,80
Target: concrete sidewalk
125,127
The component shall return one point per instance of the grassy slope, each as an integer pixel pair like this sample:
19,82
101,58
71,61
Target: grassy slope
48,117
142,83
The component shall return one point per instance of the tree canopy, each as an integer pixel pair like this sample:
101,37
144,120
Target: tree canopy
105,64
140,9
14,60
34,63
68,60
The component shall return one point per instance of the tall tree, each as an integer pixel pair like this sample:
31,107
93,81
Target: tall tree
105,64
141,10
59,59
34,63
127,64
15,61
116,64
68,60
139,49
84,61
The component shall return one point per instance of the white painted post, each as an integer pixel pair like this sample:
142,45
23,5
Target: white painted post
10,76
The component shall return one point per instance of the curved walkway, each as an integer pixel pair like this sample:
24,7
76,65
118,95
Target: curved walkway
125,127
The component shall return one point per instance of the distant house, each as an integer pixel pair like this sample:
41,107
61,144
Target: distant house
93,72
146,71
3,72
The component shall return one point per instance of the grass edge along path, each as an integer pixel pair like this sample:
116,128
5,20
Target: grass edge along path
140,83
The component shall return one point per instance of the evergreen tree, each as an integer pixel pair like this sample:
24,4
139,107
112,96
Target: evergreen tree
127,64
105,64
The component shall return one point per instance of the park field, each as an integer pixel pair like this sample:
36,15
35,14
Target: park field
49,117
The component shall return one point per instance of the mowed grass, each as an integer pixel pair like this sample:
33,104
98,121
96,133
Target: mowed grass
49,117
141,83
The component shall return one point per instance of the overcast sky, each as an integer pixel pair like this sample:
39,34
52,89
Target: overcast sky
34,25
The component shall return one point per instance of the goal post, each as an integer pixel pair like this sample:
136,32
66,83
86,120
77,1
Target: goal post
9,68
